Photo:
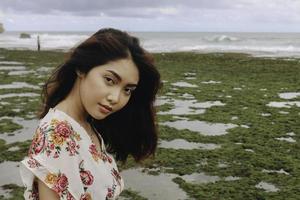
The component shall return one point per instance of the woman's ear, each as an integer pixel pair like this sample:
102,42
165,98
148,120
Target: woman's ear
79,74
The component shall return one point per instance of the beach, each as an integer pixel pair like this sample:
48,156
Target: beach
228,125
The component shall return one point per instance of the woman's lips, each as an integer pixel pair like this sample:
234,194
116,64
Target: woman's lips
105,109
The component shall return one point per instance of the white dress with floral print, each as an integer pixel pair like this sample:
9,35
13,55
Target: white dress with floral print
63,156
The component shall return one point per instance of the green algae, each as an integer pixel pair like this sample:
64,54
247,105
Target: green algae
17,155
7,125
131,195
246,85
16,192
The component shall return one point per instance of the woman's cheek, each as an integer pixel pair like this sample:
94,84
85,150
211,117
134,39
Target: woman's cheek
125,101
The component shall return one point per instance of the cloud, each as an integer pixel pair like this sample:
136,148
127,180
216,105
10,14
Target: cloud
161,13
91,7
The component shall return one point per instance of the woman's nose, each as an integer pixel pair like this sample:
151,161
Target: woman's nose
114,96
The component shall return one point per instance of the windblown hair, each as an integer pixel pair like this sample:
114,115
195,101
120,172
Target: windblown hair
131,130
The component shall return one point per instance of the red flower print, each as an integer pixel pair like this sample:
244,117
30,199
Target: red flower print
33,163
109,193
56,155
70,196
93,149
59,135
108,158
72,147
86,196
94,152
38,142
86,177
35,191
48,153
116,174
61,184
63,129
52,146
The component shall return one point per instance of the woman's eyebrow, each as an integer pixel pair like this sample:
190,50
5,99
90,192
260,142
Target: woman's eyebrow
120,79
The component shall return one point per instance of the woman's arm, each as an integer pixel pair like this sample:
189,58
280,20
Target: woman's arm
45,193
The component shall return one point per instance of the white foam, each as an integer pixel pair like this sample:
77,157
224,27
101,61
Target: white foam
48,41
259,44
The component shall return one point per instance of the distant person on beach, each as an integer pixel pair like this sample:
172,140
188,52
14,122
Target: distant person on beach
38,43
97,108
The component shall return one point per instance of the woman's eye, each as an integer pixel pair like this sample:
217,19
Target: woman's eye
109,80
128,91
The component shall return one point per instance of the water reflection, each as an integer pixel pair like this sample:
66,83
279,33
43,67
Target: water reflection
153,187
21,135
15,85
211,82
183,144
287,139
10,63
186,106
184,84
204,128
202,178
284,104
20,72
10,173
10,68
267,187
289,95
281,171
29,94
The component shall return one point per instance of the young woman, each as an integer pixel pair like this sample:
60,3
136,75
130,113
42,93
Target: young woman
98,103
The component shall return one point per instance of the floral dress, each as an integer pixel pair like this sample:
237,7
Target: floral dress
63,156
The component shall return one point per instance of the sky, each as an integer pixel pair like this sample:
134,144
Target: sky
152,15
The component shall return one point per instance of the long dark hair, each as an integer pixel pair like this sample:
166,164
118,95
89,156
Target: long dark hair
131,130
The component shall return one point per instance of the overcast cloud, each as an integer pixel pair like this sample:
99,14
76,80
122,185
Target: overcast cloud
154,15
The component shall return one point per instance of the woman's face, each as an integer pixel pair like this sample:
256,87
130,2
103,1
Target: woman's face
107,88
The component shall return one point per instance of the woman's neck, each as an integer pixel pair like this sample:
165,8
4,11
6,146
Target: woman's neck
72,106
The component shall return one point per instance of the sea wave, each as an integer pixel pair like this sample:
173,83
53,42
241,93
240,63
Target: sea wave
273,44
271,49
222,38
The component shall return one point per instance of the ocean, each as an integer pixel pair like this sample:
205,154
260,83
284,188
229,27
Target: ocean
257,44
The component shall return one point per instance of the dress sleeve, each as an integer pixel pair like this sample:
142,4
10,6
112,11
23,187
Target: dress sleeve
54,159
